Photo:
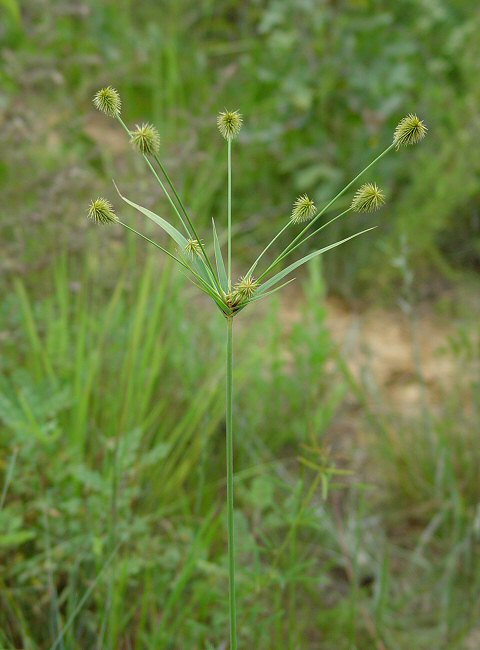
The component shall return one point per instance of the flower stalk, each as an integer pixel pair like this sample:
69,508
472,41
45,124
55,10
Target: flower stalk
229,213
230,498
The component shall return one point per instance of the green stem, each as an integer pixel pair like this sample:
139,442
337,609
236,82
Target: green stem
204,286
312,234
254,265
230,525
158,180
229,208
187,217
190,233
150,241
323,210
170,200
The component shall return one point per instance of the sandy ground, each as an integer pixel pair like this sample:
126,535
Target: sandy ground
401,356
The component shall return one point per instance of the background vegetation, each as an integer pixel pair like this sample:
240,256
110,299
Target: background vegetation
358,495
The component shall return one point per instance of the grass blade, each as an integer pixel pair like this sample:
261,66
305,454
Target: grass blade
177,236
222,273
165,225
279,276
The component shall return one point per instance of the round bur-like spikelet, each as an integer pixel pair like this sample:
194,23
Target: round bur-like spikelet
303,209
193,247
246,287
229,124
146,139
108,101
410,130
101,211
368,198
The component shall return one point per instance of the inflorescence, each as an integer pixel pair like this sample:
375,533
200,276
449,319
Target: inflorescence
410,130
193,247
101,211
303,209
146,139
246,287
229,124
368,198
108,101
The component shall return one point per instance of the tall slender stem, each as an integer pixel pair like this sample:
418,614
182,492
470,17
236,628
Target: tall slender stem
125,127
325,208
192,231
254,265
230,525
312,234
190,222
229,208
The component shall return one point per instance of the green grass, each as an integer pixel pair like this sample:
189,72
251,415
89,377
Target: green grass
113,530
112,482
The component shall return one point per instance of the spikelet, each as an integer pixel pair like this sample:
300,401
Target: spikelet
368,198
193,247
101,212
145,139
108,101
303,209
246,287
410,130
229,124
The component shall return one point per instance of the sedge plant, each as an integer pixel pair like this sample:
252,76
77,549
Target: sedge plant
206,266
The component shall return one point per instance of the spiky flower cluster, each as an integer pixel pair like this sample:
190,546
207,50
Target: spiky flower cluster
146,139
101,211
229,124
193,247
410,130
246,287
368,198
108,101
303,209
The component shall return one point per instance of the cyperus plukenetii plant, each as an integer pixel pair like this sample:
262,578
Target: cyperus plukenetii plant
213,276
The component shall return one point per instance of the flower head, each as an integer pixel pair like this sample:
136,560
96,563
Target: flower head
410,130
368,198
108,101
145,139
303,209
229,124
246,287
193,247
101,211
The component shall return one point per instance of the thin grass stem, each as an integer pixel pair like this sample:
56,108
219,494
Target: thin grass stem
190,222
288,248
205,286
229,216
229,453
254,265
162,185
192,233
312,234
187,217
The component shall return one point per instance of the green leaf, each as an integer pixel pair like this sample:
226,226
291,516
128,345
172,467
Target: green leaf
222,274
16,538
165,225
177,236
269,293
13,8
279,276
